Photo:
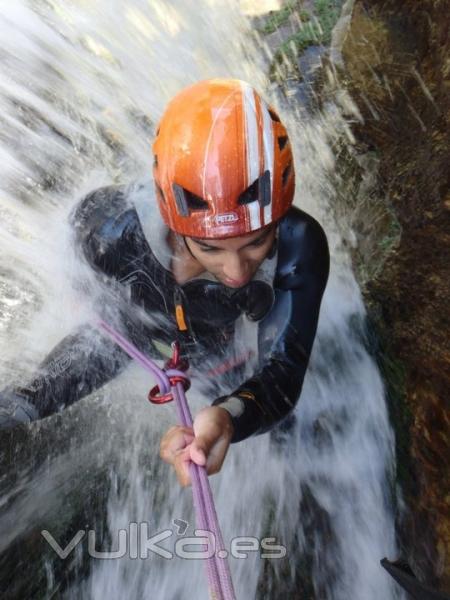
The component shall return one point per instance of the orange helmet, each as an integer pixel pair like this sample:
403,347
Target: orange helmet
223,163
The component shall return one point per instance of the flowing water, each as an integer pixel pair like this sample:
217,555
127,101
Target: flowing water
82,86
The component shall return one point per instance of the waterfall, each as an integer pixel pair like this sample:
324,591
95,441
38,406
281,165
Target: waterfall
82,87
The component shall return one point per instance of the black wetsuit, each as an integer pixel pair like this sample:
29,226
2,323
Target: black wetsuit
110,233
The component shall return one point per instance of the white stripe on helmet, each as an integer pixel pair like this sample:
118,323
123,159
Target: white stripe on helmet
251,132
254,214
268,156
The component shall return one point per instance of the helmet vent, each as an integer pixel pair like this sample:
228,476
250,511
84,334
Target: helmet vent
155,161
265,195
282,141
286,173
250,194
259,190
195,202
187,201
274,116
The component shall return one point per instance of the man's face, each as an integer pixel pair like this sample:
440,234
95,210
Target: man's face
233,261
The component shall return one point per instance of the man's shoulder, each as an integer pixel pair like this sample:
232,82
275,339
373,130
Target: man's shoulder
106,226
299,226
97,207
302,248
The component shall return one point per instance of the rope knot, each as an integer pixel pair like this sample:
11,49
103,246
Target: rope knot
173,370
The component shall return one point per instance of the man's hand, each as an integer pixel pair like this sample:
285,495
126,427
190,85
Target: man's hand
206,444
15,410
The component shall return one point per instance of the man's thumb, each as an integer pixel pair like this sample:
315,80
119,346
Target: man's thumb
199,450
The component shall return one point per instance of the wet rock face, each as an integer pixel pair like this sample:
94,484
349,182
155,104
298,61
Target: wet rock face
397,65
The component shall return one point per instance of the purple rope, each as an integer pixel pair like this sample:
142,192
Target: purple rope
202,482
217,567
131,350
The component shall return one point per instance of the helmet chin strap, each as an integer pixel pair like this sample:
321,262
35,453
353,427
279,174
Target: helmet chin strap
188,249
176,241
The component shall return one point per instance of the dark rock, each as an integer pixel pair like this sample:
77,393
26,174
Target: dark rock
396,66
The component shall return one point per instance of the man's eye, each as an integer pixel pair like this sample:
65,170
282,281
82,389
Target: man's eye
208,249
259,242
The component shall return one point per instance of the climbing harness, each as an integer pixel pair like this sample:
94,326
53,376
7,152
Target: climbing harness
172,382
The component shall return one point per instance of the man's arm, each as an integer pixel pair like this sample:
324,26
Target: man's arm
271,394
85,360
81,363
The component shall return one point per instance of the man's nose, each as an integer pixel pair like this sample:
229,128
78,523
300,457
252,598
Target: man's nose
235,267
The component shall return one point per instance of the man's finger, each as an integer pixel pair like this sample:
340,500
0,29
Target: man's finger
168,451
199,451
181,464
174,440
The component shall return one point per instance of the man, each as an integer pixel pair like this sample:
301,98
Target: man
225,245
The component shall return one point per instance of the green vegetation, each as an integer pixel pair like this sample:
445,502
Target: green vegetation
309,35
328,12
278,18
314,28
317,31
392,237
